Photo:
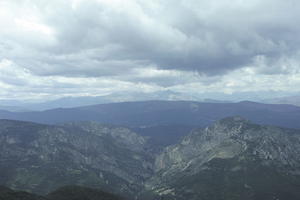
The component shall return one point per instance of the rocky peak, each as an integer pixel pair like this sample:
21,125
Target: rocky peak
233,121
228,138
233,152
120,135
229,126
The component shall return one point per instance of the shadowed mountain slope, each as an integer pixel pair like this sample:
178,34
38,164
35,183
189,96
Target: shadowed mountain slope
40,158
64,193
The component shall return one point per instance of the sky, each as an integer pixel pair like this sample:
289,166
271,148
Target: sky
53,49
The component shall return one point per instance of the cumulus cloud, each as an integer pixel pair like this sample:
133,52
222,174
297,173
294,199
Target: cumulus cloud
155,44
17,82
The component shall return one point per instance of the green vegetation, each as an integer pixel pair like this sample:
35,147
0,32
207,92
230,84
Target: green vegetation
64,193
81,193
8,194
237,179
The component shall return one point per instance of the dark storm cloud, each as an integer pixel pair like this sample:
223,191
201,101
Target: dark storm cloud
113,38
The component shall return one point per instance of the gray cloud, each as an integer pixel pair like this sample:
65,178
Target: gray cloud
181,36
184,42
209,37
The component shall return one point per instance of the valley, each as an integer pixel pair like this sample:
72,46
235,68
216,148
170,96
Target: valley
233,158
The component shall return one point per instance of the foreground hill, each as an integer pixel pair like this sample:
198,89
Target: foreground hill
157,113
232,159
81,193
64,193
8,194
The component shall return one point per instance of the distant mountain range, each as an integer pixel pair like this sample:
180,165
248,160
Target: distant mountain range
293,100
14,108
160,113
69,102
232,159
271,97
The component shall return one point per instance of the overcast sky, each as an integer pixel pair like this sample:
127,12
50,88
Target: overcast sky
55,48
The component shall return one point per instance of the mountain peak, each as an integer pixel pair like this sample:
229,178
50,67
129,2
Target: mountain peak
235,122
231,149
234,119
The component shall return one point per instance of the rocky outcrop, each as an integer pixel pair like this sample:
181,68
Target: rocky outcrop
229,147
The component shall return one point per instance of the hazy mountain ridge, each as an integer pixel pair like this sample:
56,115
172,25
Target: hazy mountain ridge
292,100
165,95
159,113
79,101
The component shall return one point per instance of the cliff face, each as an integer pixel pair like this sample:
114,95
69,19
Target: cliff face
41,158
230,160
